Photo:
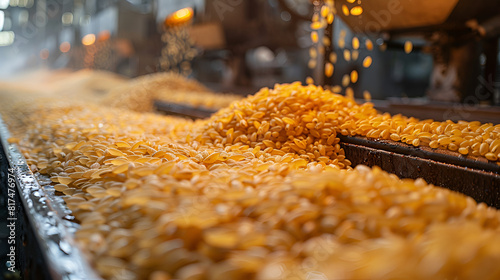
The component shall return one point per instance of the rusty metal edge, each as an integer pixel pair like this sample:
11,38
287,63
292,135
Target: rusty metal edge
53,233
482,186
445,157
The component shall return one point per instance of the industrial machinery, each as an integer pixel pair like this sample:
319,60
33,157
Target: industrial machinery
455,32
462,38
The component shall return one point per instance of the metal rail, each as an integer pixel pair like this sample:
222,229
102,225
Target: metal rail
482,186
183,110
443,156
48,217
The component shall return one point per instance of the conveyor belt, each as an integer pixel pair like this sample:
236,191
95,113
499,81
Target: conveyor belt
472,176
47,249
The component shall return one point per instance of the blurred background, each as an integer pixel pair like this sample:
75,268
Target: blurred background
422,52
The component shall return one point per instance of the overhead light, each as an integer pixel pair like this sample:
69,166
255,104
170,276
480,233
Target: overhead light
4,4
65,47
88,39
67,18
179,17
6,38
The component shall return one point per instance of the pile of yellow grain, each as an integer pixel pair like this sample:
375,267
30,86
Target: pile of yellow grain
261,190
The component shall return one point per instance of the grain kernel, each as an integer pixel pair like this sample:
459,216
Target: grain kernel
483,149
463,150
491,156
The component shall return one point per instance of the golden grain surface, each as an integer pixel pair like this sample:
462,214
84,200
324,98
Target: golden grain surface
261,190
